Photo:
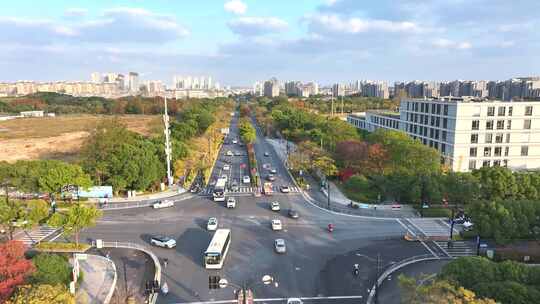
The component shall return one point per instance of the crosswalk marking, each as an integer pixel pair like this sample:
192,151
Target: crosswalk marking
458,249
276,189
34,236
431,227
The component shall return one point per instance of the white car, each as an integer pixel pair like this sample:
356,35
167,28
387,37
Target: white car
246,179
279,246
285,189
224,176
163,204
294,301
273,171
226,168
235,141
231,202
163,241
229,153
274,206
276,225
212,224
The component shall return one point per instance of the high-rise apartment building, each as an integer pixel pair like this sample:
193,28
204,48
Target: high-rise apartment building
468,132
271,88
96,77
338,90
133,82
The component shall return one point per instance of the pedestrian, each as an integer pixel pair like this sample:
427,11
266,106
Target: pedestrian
108,255
165,262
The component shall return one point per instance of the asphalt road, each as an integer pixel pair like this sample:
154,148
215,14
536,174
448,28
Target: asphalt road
317,263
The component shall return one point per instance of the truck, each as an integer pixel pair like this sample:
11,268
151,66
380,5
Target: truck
219,190
267,188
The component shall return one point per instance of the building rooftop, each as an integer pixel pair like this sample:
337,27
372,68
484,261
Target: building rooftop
465,99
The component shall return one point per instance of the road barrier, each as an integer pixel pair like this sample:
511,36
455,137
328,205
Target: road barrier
140,204
157,275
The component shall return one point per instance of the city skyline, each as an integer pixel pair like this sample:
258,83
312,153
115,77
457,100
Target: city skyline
240,41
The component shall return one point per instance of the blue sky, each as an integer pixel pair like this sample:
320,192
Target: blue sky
241,41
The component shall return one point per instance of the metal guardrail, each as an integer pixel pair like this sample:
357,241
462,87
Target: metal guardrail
140,204
397,266
155,259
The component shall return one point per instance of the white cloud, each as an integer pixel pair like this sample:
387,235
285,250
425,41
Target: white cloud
75,12
449,44
253,26
354,25
236,7
117,25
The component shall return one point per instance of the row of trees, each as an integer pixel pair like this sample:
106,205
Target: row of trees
248,134
67,104
436,292
299,125
322,104
506,282
113,155
41,280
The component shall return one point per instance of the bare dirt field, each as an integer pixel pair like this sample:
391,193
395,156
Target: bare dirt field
59,137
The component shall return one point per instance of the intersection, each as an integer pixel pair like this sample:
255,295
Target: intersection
317,265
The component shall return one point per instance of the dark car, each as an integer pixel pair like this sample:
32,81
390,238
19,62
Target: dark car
293,214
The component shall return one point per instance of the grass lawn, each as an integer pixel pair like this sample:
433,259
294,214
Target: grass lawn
55,126
60,137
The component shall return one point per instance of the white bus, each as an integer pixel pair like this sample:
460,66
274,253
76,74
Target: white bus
216,253
219,190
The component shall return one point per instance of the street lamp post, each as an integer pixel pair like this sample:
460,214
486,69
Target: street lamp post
328,191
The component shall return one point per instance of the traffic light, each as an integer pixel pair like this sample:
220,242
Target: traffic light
213,282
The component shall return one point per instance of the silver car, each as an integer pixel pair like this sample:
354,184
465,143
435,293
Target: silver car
163,241
279,246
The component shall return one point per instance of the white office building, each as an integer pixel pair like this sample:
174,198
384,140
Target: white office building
468,132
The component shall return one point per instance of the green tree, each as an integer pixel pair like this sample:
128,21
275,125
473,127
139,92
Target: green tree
497,183
326,165
75,219
248,134
56,174
461,188
436,292
42,294
51,269
406,155
21,214
469,271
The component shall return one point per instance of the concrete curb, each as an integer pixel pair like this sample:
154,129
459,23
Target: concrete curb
396,267
113,285
155,259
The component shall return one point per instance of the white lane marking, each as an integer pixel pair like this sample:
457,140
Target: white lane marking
446,252
429,249
310,298
405,226
309,200
420,229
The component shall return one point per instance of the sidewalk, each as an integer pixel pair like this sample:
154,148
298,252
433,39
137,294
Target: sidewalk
338,201
152,196
99,280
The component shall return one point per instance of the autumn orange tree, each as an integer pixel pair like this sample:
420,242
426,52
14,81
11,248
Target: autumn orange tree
14,268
